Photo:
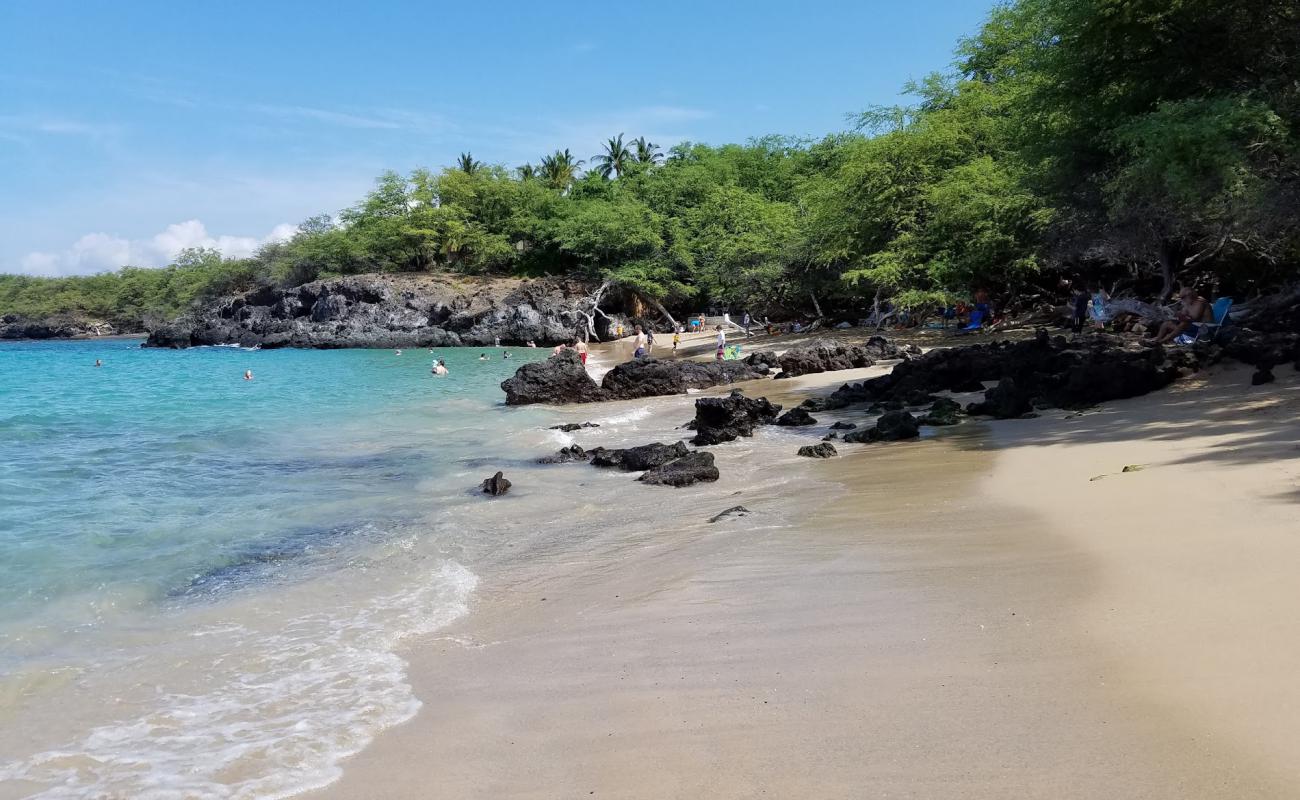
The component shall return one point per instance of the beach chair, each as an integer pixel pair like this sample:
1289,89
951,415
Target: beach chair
1220,311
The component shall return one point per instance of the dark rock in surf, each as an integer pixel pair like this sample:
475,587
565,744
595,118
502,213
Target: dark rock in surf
496,486
795,418
823,450
567,455
944,411
685,471
561,378
893,426
570,427
844,426
724,419
636,459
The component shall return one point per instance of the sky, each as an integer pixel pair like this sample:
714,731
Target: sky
130,130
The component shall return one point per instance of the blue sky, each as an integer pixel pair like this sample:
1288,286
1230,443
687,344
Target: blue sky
131,128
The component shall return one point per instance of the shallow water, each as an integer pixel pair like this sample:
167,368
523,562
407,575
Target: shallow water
203,580
195,563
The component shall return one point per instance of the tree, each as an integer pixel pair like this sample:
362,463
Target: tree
614,160
467,164
646,152
560,169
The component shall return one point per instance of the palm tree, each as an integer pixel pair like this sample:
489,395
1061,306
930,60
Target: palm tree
615,159
526,172
560,169
467,164
646,152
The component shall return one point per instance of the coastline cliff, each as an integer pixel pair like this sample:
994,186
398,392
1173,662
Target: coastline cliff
386,310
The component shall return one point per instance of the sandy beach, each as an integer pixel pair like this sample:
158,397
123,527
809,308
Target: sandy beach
996,611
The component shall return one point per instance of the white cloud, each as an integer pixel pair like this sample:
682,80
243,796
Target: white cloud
98,252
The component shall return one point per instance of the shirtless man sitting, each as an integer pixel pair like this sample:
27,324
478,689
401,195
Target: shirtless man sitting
1194,309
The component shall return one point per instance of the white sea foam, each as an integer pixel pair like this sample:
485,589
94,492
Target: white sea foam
308,693
634,415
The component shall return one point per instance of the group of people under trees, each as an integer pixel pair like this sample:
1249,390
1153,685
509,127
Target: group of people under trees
1092,305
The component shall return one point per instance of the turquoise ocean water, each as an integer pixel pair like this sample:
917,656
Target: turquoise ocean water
195,563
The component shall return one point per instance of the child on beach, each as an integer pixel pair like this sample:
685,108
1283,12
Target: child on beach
677,338
722,343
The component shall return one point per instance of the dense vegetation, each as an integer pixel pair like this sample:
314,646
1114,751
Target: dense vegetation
1125,139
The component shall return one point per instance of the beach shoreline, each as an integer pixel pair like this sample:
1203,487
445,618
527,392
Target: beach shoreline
925,624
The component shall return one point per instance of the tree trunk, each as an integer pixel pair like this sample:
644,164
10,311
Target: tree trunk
594,300
816,305
1171,260
660,306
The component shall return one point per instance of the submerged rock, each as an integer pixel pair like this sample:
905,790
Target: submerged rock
567,455
823,450
724,419
795,418
570,427
892,426
844,426
636,459
734,511
944,411
685,471
496,486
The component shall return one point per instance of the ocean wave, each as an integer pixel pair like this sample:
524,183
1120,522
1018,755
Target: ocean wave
310,692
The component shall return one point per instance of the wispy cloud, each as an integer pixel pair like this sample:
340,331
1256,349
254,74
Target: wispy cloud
24,126
97,252
374,119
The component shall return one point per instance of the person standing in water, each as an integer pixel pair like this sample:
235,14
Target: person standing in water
440,367
581,346
248,374
640,340
505,354
99,363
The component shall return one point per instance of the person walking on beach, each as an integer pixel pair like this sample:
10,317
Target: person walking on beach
581,346
722,342
640,351
649,341
744,323
677,338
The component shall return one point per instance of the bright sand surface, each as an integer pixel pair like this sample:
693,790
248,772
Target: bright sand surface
969,616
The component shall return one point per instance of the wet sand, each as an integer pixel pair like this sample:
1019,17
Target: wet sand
966,616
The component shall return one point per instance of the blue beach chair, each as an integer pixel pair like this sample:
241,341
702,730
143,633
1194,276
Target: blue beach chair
1211,329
